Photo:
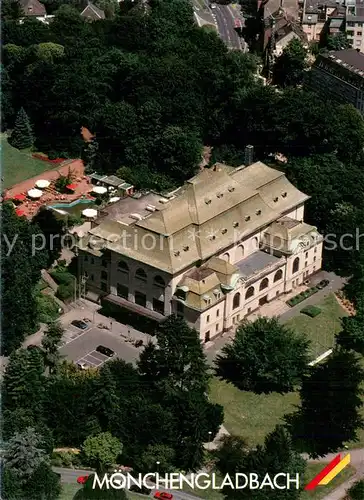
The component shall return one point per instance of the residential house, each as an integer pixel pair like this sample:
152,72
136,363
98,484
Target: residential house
92,13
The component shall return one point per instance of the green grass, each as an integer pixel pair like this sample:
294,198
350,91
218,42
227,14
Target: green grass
250,415
69,491
320,330
322,491
19,165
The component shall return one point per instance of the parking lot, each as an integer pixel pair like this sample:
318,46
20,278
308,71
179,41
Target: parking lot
80,345
93,359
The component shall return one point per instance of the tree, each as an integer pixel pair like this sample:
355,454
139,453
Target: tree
43,483
177,362
264,356
22,135
24,454
24,383
354,288
338,41
289,68
356,492
53,230
352,334
21,265
165,455
51,343
101,451
275,456
323,423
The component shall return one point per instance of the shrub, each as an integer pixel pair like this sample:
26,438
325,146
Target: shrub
47,308
311,311
62,277
65,291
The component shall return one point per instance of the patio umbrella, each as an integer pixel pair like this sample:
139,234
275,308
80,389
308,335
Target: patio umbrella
42,184
89,212
99,190
19,212
71,187
35,193
19,197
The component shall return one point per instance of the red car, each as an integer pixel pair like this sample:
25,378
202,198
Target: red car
163,495
82,479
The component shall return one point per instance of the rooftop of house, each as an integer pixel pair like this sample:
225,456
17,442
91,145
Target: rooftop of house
92,12
351,59
213,210
33,8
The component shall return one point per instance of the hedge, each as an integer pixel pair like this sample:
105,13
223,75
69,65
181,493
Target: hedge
311,311
62,277
301,296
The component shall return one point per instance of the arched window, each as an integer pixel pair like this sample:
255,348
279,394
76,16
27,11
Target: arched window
123,267
296,265
236,300
141,274
264,284
241,251
278,276
255,244
249,292
159,281
226,257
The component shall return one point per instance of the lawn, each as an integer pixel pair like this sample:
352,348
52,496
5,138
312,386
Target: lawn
321,491
320,330
70,490
250,415
19,165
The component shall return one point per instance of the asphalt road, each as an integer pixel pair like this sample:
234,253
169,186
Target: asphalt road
226,26
87,341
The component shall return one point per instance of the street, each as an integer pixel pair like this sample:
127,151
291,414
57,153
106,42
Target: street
226,26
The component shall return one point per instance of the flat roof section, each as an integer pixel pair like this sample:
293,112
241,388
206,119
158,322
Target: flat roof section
256,262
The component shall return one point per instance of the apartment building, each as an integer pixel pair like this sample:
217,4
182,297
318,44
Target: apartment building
340,74
213,251
354,25
319,16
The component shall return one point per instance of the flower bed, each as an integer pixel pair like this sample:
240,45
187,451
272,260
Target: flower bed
40,156
301,296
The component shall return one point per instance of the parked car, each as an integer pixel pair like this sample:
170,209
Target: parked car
322,284
79,324
82,479
105,350
163,495
82,365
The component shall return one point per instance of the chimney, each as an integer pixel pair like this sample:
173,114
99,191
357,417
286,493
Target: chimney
249,155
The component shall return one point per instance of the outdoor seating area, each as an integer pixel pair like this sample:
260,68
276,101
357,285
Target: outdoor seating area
42,191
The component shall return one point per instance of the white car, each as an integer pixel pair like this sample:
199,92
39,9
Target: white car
82,365
213,6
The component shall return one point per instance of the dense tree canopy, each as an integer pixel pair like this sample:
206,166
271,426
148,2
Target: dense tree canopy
264,356
323,423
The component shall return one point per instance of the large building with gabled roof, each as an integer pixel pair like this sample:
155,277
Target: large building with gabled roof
213,251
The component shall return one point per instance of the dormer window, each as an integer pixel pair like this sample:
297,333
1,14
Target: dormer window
177,254
258,212
231,189
236,224
186,248
220,195
284,195
247,218
224,231
213,237
275,199
207,201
